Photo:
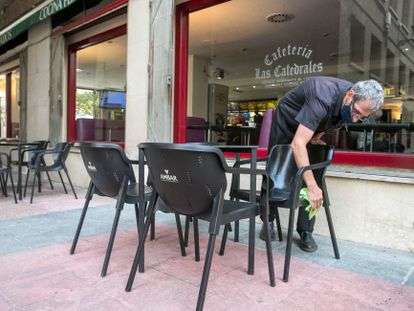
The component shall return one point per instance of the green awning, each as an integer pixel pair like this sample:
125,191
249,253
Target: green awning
42,12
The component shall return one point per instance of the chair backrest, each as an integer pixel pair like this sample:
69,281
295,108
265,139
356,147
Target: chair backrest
186,177
41,145
4,162
317,154
281,167
63,149
265,128
107,166
195,135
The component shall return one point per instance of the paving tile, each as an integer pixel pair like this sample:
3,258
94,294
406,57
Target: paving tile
38,273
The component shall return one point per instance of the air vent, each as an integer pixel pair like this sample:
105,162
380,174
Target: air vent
279,17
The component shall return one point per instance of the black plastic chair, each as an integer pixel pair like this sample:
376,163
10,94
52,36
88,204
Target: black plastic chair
29,155
112,175
281,187
191,180
57,156
5,172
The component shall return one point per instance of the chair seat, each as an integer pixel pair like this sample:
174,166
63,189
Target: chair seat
132,195
276,195
243,194
233,210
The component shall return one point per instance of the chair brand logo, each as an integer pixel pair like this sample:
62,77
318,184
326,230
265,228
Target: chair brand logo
91,167
168,177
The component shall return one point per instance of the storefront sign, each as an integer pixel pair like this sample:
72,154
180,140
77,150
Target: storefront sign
303,66
39,14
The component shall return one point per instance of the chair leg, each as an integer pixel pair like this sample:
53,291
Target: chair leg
25,184
33,186
142,209
88,197
278,226
289,241
137,216
63,183
269,252
13,189
206,271
180,234
332,231
39,182
252,233
224,239
140,248
3,184
152,232
47,174
236,231
70,182
236,236
196,239
50,180
186,230
111,241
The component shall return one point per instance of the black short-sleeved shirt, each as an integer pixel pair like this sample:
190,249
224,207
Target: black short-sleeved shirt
315,103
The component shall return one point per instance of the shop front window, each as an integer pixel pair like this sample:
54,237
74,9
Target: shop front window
9,104
100,90
240,67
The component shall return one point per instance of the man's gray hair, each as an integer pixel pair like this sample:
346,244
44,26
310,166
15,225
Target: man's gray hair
369,90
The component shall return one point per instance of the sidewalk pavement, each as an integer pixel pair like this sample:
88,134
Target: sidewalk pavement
37,272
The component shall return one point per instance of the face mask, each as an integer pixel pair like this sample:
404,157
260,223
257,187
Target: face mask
346,113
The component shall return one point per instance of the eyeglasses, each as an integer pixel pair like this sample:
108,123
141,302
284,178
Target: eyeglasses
356,112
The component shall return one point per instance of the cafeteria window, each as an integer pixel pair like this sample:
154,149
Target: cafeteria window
255,61
97,96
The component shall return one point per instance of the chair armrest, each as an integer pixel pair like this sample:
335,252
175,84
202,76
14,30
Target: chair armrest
299,176
235,178
42,153
248,161
23,150
245,170
4,159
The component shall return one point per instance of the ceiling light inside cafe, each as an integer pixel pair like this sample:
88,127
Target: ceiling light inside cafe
279,17
219,73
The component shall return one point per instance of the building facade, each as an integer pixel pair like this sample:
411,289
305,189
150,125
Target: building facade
132,71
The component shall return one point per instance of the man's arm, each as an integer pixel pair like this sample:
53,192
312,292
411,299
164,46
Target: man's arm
302,137
316,139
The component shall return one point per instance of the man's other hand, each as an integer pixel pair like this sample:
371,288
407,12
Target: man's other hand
315,195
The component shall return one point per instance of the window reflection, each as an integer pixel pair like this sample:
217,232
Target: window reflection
239,65
101,91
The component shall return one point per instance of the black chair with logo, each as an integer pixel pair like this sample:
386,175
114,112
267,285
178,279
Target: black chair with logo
50,160
191,180
112,175
282,184
5,173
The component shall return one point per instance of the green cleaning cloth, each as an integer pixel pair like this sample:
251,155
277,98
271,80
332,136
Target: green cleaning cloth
303,196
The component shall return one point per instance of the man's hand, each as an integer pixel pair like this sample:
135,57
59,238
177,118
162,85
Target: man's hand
315,196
